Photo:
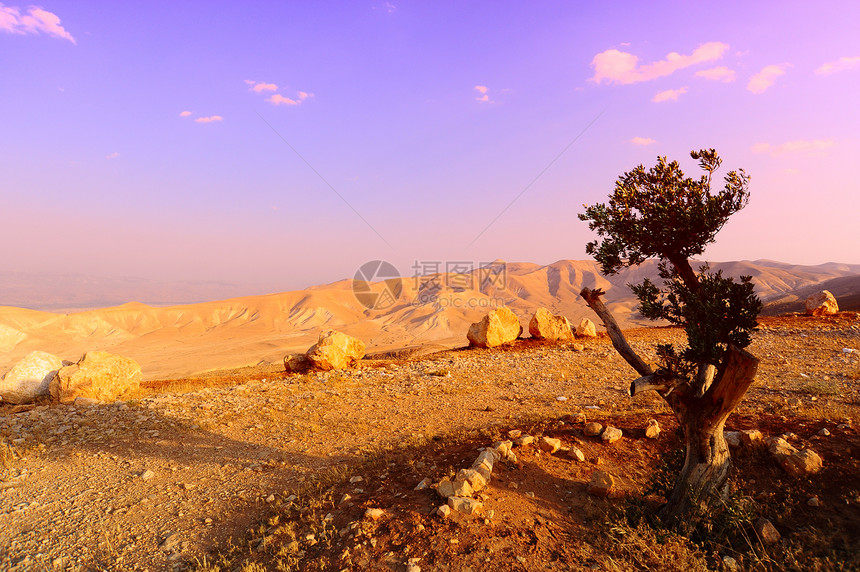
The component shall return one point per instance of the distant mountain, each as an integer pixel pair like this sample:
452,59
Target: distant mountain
433,310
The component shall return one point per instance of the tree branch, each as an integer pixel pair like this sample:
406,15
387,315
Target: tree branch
592,298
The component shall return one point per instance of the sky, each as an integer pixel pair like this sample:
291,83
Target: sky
284,144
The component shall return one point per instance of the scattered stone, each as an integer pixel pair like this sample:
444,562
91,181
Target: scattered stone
86,402
170,542
813,502
146,475
30,378
550,445
561,398
780,448
602,484
824,432
98,375
586,329
652,431
374,513
805,462
577,347
821,303
578,418
412,565
592,429
545,326
465,505
355,479
576,454
730,564
524,440
475,479
425,483
611,434
456,488
751,437
766,531
297,363
444,511
733,438
499,326
514,433
335,350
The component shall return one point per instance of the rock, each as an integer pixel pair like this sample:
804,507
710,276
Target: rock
147,475
514,433
545,326
602,484
499,326
374,513
475,479
456,488
592,429
586,329
766,531
424,484
297,363
549,445
813,502
465,505
653,429
733,438
335,350
825,432
524,440
98,375
576,454
412,566
730,564
30,378
780,448
444,511
805,462
611,434
821,303
750,437
86,402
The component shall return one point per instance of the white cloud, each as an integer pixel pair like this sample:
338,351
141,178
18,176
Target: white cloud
209,119
720,73
816,146
35,21
643,141
260,86
615,66
185,114
483,90
669,95
113,155
278,99
760,82
840,65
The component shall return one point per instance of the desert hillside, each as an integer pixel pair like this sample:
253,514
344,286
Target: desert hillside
432,312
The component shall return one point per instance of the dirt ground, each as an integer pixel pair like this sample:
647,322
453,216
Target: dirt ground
258,470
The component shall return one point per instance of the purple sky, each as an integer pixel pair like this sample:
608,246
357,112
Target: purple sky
154,139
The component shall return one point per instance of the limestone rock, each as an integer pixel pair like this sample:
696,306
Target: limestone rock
602,484
805,462
545,326
733,438
592,429
444,511
335,350
780,448
98,375
586,329
297,363
475,479
821,303
576,454
611,434
751,437
374,513
524,440
766,531
499,326
653,429
550,445
465,505
30,378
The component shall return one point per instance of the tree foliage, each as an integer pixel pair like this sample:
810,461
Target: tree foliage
661,213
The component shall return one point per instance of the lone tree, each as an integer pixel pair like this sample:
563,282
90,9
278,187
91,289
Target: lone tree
659,213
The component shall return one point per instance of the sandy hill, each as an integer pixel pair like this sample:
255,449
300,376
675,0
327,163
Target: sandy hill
432,311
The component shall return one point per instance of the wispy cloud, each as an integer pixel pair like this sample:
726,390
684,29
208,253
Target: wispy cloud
113,155
278,99
185,114
34,21
840,65
484,96
615,66
669,95
816,146
760,82
643,141
260,86
209,119
720,73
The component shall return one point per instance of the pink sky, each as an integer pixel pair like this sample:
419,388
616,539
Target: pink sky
286,144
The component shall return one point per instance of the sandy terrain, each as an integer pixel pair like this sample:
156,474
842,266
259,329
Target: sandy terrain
158,482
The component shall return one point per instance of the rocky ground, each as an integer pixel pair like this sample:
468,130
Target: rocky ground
248,470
